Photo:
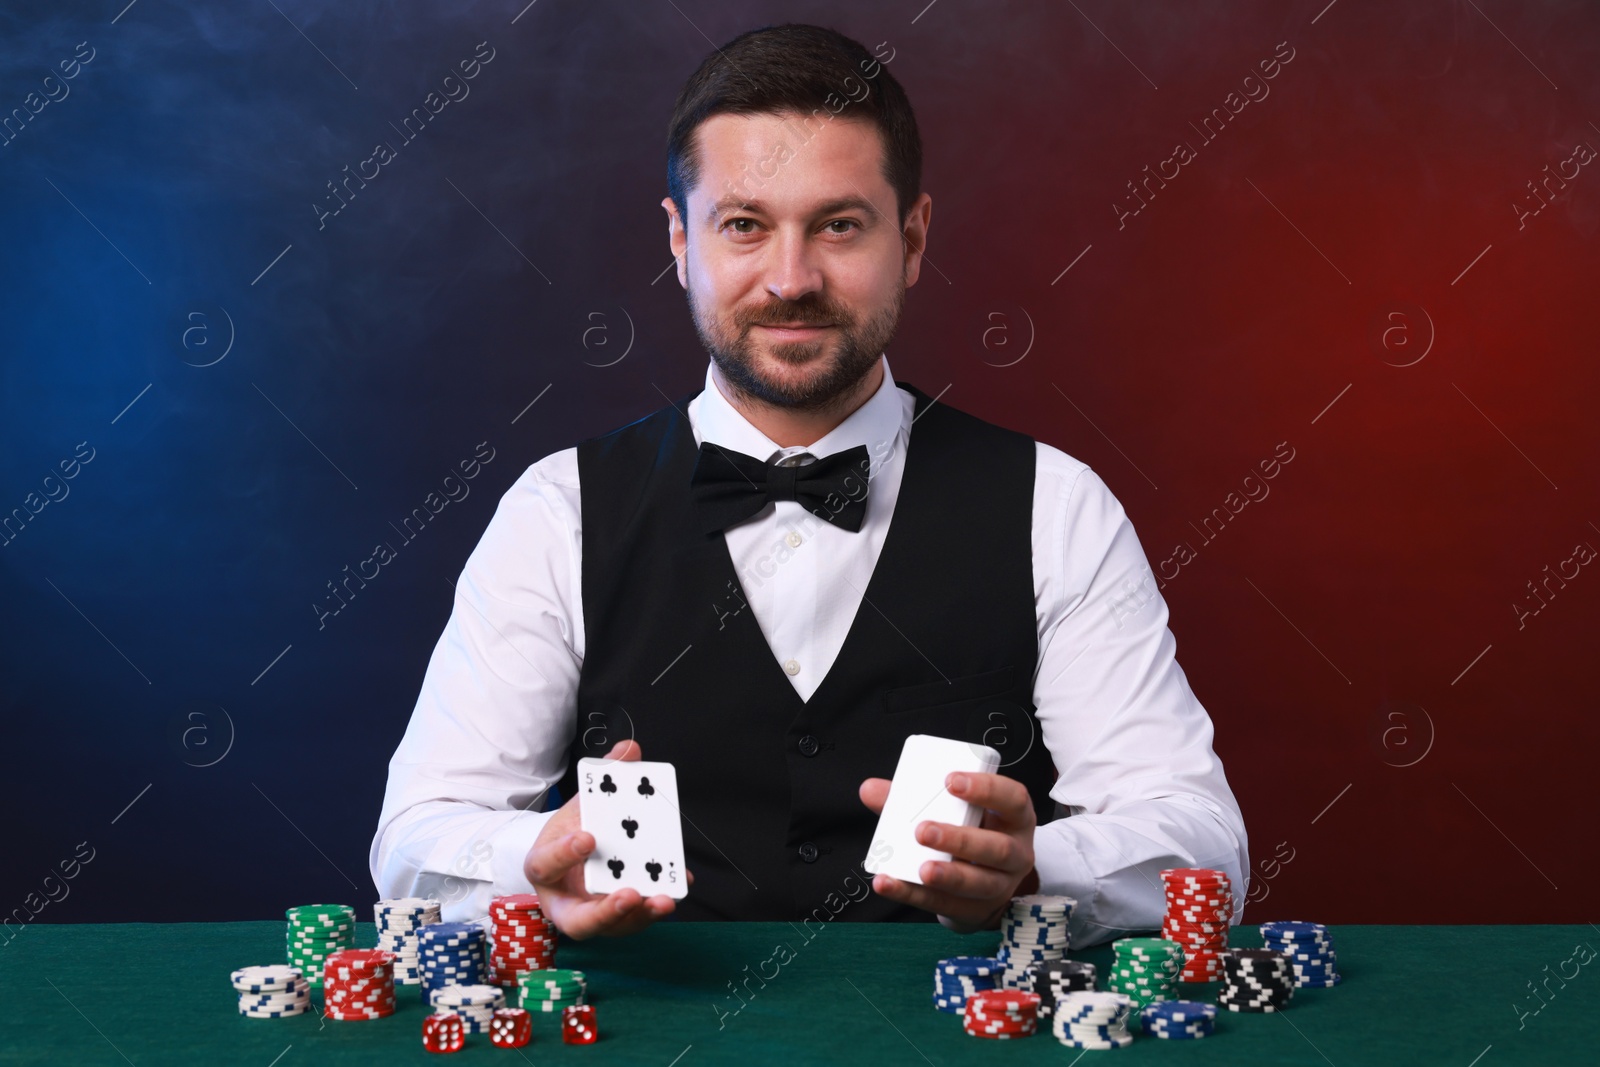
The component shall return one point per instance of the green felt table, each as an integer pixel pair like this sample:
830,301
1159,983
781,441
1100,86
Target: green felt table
835,994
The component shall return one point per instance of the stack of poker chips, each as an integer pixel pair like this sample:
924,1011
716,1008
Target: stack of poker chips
1054,979
1310,951
1092,1020
397,922
358,983
272,992
476,1004
1199,910
1179,1020
578,1025
317,931
959,977
450,954
551,990
1001,1014
523,939
1034,930
1145,969
1256,979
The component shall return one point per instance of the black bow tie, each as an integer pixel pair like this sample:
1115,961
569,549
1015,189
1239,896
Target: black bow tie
729,487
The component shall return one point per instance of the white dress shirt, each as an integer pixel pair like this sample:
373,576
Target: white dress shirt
1132,744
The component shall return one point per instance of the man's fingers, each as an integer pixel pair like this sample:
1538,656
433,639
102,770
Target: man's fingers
965,881
626,751
927,898
1004,796
598,915
874,791
986,848
548,864
622,912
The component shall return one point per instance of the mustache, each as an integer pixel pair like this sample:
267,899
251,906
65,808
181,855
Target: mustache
805,315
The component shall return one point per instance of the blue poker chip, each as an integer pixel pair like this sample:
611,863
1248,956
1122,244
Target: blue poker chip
972,965
1179,1011
1320,983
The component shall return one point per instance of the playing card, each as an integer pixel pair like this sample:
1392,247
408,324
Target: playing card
918,794
631,808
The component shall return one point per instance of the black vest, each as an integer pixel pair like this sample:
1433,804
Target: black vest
945,642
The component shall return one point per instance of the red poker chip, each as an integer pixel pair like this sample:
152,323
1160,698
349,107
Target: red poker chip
1194,873
360,960
994,998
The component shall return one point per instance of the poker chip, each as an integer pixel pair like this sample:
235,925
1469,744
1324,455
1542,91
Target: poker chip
1145,969
272,991
1198,913
1092,1020
551,990
315,932
578,1025
1054,979
959,977
1033,931
1001,1014
1178,1020
397,922
476,1004
358,984
1309,949
450,954
521,937
1256,979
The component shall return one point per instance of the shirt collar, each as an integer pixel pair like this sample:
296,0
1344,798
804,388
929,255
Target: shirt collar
875,423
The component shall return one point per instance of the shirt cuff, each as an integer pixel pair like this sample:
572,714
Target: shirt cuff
510,845
1063,872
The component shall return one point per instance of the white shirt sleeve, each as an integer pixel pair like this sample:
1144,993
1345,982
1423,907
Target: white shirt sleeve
489,734
1131,741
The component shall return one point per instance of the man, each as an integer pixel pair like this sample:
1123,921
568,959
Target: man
686,589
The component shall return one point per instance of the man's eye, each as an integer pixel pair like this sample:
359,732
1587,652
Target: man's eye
843,222
737,222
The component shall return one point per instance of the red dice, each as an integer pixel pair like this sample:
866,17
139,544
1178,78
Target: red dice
510,1028
443,1032
577,1025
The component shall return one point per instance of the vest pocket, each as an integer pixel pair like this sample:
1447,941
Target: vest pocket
934,694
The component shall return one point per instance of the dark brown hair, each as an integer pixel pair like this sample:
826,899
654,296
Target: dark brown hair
796,68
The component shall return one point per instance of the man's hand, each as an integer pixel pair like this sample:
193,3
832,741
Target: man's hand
555,867
990,863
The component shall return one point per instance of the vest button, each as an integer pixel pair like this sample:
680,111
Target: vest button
808,745
808,852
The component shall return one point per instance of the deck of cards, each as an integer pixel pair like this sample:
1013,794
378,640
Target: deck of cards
631,808
918,794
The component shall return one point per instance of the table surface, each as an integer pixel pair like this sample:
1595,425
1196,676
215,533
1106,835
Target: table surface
835,993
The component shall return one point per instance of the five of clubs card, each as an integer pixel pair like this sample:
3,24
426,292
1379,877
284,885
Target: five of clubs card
631,808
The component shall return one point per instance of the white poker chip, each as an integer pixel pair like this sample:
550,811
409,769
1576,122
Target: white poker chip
266,977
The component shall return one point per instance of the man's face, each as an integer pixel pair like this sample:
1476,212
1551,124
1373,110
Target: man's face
792,255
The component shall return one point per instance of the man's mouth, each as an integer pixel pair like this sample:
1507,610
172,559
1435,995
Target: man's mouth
799,329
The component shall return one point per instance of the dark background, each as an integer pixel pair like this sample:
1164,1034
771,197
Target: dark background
1404,746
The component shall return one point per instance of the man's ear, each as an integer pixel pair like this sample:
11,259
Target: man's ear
677,240
914,237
